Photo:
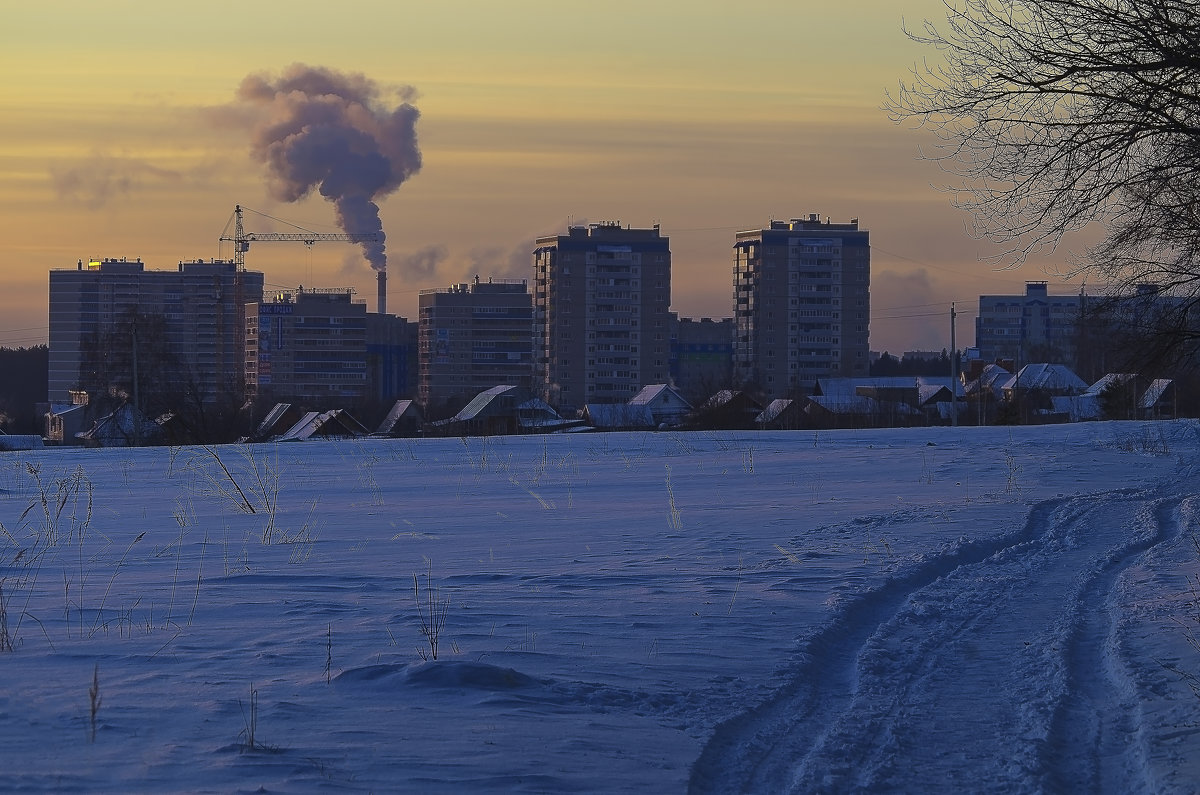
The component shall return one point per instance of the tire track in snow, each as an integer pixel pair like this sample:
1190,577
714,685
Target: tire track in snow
1096,739
948,676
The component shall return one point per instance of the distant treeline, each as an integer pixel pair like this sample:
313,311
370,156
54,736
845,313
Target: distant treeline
24,373
887,365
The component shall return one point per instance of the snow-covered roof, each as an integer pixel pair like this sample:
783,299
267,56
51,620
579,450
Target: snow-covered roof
334,423
399,409
991,379
993,374
536,406
124,425
274,416
657,393
478,403
1154,393
773,410
1108,380
719,399
928,392
1049,377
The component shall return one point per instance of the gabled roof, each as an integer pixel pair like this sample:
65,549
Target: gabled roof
727,396
482,401
929,393
535,407
992,378
279,414
1107,380
719,399
657,393
773,410
324,424
121,427
994,374
1049,377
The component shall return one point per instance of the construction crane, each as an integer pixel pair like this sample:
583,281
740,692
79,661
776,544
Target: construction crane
242,239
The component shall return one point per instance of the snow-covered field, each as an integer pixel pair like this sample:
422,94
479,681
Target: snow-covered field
1007,610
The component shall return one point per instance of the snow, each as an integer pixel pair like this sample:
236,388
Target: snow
911,610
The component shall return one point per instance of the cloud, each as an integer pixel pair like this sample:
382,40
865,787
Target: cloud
500,262
910,306
95,181
423,264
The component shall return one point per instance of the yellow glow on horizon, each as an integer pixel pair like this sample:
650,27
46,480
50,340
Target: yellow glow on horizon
702,116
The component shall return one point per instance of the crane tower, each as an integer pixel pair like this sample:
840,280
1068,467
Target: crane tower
242,239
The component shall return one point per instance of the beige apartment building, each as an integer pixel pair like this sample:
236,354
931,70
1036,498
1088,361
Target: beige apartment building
472,337
802,304
602,298
195,313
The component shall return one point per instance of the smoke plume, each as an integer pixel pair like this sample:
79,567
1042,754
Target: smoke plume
315,128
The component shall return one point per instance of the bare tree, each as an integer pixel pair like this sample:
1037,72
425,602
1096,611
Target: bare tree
201,409
1055,114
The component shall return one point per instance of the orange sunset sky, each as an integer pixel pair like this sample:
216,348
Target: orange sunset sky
704,117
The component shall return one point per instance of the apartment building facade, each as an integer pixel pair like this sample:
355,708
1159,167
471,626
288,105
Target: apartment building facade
701,356
308,347
194,314
602,297
392,360
802,304
1034,327
473,337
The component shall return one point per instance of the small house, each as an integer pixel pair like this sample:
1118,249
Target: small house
666,406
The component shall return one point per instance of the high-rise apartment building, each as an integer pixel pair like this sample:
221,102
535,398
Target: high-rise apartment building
473,337
701,357
1034,327
309,347
802,304
194,316
392,363
602,299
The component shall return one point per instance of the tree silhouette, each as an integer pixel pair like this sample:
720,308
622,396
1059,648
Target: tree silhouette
1055,114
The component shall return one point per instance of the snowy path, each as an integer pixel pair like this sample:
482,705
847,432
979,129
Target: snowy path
1012,642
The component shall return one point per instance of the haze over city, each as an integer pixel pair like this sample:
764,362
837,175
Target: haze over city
125,137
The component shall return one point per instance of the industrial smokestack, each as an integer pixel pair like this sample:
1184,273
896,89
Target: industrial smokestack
382,279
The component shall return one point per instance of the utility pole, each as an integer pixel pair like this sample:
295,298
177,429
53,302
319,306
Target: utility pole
953,371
